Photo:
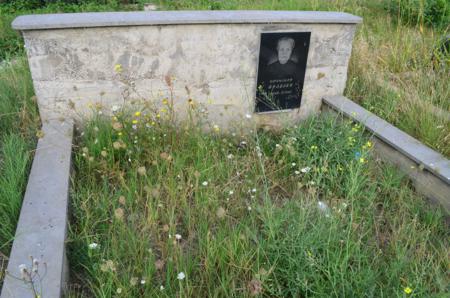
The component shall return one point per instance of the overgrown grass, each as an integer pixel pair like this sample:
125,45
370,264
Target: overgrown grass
18,125
305,213
14,164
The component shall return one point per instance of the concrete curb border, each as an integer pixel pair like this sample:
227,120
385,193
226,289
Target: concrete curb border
428,170
42,227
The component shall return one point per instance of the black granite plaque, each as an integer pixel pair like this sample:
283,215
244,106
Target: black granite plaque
281,70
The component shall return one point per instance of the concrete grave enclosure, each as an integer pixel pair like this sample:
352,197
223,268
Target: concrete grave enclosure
210,57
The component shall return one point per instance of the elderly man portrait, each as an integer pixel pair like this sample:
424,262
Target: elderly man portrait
284,66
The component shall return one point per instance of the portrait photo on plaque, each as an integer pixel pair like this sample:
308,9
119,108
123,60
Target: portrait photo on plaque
281,70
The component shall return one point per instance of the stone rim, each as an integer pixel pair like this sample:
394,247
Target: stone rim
155,18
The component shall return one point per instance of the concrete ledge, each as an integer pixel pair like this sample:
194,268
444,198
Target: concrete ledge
41,230
425,182
109,19
429,170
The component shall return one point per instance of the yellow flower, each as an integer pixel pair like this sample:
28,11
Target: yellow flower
163,110
158,116
407,290
314,147
165,101
137,114
134,121
369,144
362,160
120,133
118,68
216,128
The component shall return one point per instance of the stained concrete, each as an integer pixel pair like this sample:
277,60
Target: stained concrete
214,64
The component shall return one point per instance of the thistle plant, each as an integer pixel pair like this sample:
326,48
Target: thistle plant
31,275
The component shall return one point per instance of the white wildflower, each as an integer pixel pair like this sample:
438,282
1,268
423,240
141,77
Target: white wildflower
205,183
181,276
178,236
93,245
35,265
305,169
23,271
323,207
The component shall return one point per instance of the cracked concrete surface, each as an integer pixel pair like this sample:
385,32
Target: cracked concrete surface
214,64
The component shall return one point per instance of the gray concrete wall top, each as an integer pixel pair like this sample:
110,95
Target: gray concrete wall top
154,18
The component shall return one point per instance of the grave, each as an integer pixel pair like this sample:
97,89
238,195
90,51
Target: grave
230,62
263,68
269,68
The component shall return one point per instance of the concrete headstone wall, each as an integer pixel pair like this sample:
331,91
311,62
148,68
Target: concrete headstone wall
210,57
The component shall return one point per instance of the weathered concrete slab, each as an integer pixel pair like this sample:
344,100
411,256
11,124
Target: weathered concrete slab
41,230
425,182
84,20
409,146
429,170
210,56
